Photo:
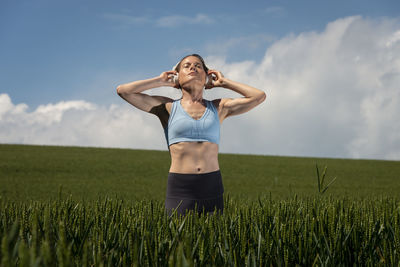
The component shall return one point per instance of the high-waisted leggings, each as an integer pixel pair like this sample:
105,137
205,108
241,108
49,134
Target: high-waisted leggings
199,192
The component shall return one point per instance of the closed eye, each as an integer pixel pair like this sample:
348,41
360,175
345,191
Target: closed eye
198,65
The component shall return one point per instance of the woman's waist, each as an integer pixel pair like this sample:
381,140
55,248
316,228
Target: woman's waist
190,167
194,158
195,186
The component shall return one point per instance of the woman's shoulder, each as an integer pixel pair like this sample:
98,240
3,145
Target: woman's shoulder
170,104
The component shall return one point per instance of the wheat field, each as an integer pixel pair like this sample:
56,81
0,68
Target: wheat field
68,206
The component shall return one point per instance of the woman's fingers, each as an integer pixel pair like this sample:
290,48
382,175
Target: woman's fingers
216,77
216,73
168,78
167,74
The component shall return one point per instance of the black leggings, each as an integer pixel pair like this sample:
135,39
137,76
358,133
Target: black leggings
199,192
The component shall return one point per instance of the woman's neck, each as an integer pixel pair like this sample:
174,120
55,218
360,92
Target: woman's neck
192,95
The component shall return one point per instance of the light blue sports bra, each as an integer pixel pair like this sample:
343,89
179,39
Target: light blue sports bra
183,128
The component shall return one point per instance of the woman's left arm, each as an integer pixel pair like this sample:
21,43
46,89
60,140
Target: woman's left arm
234,106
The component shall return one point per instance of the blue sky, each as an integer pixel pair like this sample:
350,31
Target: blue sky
54,52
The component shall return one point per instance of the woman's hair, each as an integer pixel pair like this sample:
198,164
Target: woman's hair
178,66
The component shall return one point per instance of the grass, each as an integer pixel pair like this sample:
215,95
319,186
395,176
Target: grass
74,206
311,231
41,172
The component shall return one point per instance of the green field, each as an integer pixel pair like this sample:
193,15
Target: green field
73,206
41,172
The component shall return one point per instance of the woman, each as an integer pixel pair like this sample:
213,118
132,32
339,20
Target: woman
192,126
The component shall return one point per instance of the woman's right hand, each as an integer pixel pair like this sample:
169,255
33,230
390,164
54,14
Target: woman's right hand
167,78
217,79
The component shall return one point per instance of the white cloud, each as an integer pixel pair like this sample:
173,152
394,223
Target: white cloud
79,123
243,45
7,108
178,20
334,93
392,40
53,113
276,11
166,21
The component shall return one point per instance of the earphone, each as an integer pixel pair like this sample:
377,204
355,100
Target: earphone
175,78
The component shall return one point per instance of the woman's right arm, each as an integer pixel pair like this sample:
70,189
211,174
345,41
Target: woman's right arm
132,92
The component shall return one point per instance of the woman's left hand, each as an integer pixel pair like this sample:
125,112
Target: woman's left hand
216,79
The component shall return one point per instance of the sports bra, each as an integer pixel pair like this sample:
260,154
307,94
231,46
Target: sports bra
182,127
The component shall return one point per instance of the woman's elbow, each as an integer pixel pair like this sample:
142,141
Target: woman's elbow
119,90
261,97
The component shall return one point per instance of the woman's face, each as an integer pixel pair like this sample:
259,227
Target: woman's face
192,71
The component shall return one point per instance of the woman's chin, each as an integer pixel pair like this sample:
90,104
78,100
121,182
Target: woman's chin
193,84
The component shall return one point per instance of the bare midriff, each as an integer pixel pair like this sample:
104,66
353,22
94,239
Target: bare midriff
194,157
